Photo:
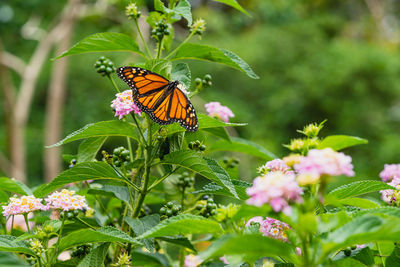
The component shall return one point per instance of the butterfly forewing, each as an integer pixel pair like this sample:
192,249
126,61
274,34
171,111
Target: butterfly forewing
158,97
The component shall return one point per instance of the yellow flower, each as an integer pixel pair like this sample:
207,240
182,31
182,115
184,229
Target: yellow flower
307,179
292,159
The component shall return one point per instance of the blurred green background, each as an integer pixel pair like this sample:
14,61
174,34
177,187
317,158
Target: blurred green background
317,59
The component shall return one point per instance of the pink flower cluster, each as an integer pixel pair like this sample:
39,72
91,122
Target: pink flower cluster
215,109
275,188
276,165
325,162
123,104
192,260
66,200
392,196
271,227
22,205
390,172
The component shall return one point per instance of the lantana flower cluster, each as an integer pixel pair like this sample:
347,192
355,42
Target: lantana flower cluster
65,200
25,204
271,227
123,104
389,172
215,109
275,188
279,185
325,162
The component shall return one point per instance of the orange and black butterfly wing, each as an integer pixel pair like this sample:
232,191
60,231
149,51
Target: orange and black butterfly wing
153,94
148,87
181,110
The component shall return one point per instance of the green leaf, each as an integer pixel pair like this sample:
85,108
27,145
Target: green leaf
180,241
8,259
364,229
96,257
142,258
339,142
213,188
181,72
253,246
120,192
85,236
356,189
394,257
102,42
219,132
391,211
183,9
160,66
242,146
214,54
8,243
140,226
207,167
101,129
81,172
233,4
183,224
359,202
14,186
88,149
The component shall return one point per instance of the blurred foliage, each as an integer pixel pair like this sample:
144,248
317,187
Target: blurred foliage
316,60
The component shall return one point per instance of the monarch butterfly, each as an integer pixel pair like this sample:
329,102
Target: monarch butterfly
163,100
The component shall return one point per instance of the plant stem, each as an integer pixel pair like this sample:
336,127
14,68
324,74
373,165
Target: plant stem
12,224
59,238
85,223
139,128
160,44
141,37
162,179
114,84
26,221
147,165
379,250
179,46
128,140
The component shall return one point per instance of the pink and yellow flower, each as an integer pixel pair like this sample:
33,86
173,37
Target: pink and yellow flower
192,260
123,104
275,188
271,227
325,162
23,205
392,196
215,109
66,200
389,172
276,165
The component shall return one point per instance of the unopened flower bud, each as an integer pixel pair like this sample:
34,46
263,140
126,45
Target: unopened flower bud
132,11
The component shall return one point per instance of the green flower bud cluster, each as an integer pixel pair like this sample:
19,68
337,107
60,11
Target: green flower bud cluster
196,145
69,214
207,207
104,66
170,209
72,163
198,27
81,251
203,83
121,156
230,163
160,30
132,11
185,181
44,233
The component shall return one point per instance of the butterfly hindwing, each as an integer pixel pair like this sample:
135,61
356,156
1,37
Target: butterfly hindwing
164,101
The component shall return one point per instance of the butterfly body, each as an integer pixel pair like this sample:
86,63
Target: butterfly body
164,101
